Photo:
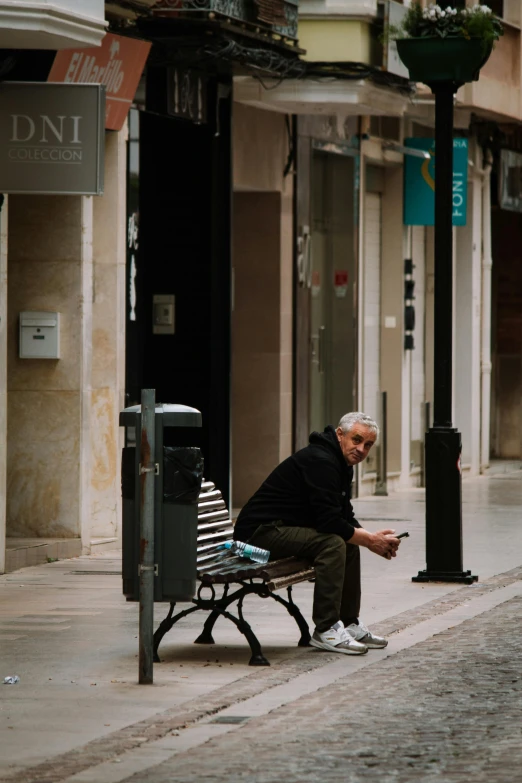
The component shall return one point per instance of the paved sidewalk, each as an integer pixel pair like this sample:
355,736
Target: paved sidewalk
70,635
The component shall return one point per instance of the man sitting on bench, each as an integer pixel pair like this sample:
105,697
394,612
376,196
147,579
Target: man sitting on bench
303,510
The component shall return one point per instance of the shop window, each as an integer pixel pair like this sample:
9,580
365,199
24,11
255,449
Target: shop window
385,127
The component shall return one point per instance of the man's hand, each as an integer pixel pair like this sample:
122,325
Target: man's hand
385,544
381,543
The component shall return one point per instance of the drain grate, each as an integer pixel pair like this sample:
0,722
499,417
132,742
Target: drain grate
95,573
231,719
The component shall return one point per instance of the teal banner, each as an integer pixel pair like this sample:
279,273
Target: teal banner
419,183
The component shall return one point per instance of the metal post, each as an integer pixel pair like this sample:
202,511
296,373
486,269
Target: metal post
146,566
426,413
381,487
443,441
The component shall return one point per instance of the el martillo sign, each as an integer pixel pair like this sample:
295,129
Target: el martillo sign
419,183
118,64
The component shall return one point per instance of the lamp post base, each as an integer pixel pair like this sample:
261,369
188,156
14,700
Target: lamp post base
462,577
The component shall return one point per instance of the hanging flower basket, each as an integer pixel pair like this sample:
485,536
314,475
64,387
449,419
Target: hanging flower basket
435,60
443,44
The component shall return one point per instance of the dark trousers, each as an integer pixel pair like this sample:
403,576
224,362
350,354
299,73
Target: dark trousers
337,594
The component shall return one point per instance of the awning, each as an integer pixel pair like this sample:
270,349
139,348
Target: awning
320,96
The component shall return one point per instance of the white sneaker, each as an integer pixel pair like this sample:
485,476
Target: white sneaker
363,635
338,640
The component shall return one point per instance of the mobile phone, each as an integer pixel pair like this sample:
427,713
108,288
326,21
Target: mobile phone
402,535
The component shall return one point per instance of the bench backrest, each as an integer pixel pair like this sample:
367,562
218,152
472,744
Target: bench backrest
215,525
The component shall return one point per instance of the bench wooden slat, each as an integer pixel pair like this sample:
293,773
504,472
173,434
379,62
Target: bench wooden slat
213,516
221,525
204,549
227,577
213,494
291,579
226,534
283,567
212,505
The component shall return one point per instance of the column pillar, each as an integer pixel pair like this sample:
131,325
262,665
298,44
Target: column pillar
49,400
108,339
467,328
3,378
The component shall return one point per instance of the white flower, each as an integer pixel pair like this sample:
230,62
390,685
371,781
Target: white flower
443,13
432,14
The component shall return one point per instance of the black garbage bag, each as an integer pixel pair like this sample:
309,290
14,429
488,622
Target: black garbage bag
128,470
182,474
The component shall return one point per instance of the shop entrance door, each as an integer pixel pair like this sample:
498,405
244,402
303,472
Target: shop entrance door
333,289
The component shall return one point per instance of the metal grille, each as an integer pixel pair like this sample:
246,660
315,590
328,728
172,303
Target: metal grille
271,11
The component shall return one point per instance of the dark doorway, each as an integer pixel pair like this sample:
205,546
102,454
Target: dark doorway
506,409
184,258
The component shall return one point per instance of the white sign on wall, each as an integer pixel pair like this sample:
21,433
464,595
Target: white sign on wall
394,14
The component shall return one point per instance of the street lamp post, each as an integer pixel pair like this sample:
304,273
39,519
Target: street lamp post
445,48
443,442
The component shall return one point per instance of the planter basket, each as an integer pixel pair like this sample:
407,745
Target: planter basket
436,60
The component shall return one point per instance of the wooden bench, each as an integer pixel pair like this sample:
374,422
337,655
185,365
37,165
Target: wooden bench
215,571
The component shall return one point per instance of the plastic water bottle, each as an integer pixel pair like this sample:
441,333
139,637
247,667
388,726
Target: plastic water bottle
246,550
13,680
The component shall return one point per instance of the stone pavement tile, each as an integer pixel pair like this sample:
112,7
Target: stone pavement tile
448,709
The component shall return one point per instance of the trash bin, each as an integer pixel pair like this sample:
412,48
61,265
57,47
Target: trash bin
179,473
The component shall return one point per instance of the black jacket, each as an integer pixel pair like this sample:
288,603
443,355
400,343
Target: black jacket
309,489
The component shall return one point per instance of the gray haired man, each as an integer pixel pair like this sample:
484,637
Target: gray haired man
303,509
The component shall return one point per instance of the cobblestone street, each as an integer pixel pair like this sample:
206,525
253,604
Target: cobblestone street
448,709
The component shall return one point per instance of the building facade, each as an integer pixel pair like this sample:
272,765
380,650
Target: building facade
364,277
63,256
251,256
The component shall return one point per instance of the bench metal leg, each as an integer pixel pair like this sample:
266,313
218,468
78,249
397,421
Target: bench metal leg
205,636
165,626
294,611
257,659
224,602
220,609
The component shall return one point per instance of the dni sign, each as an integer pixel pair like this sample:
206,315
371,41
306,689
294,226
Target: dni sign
51,138
53,132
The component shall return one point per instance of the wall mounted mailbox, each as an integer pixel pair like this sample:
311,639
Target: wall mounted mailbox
39,335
